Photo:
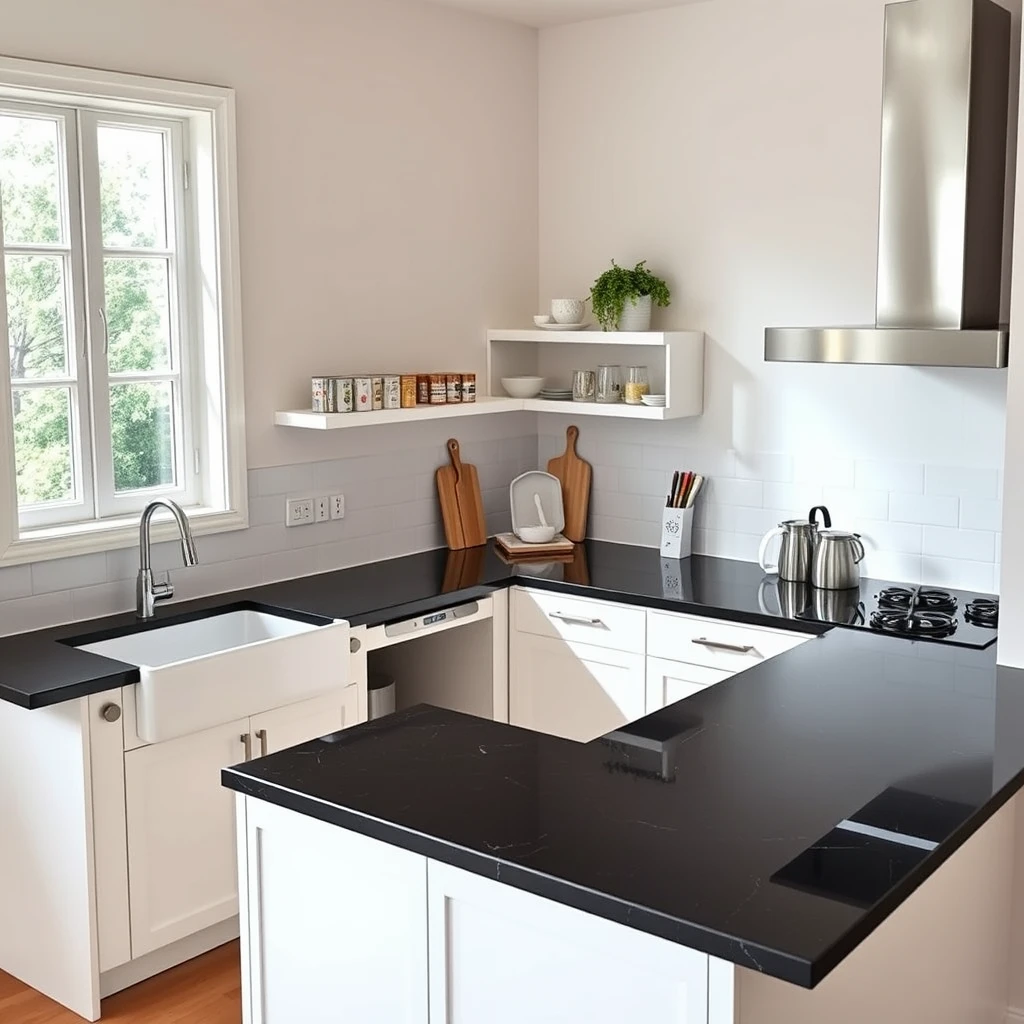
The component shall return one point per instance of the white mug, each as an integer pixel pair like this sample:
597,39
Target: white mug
568,311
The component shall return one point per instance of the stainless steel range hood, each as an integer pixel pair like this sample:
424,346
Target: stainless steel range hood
945,102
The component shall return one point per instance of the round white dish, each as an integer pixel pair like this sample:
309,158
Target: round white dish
522,387
653,400
536,534
542,319
564,327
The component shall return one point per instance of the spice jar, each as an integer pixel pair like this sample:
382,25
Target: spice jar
469,387
438,389
423,389
453,387
408,389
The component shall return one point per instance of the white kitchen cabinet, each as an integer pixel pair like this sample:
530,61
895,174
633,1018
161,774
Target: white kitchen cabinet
334,925
671,681
571,689
486,938
180,820
287,727
181,864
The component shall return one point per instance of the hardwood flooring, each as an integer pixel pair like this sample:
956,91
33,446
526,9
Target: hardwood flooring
207,990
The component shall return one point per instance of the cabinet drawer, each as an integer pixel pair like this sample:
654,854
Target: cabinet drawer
716,644
671,681
597,623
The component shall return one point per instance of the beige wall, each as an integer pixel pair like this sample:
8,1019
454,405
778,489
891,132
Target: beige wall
387,175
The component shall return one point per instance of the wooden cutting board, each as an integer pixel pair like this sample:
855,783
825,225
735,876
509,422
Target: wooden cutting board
574,475
462,508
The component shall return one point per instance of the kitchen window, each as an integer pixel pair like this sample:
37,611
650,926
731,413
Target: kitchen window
118,299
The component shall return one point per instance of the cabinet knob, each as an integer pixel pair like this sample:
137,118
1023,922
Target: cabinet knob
110,713
354,645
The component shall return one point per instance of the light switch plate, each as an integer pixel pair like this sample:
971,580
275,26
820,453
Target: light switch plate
298,512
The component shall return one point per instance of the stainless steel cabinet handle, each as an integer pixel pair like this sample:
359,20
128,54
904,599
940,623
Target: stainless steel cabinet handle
715,645
354,645
106,330
246,738
576,620
261,735
110,713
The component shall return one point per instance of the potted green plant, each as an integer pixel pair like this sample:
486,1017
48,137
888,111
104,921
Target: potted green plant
622,299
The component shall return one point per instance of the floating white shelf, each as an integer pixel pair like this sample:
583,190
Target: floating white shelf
674,361
337,420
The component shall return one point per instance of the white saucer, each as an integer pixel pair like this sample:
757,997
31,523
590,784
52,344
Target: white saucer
564,327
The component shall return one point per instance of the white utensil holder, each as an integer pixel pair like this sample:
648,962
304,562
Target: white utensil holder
677,532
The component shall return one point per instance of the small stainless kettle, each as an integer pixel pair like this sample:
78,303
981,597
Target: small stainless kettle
837,558
799,541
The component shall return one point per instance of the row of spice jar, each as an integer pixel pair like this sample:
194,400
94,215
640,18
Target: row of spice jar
391,391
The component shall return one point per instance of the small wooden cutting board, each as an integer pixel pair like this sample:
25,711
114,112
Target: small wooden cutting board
574,475
462,508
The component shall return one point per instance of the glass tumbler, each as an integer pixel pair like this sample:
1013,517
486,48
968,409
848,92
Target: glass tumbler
637,385
584,384
609,384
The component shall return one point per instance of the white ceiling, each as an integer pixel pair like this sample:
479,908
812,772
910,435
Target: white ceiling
542,13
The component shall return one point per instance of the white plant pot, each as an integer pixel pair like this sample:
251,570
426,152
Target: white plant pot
636,317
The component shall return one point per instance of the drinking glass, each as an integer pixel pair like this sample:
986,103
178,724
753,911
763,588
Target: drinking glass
609,384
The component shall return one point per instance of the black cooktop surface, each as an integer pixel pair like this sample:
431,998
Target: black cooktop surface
934,614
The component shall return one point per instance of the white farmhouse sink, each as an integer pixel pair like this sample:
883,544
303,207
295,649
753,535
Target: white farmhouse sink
198,674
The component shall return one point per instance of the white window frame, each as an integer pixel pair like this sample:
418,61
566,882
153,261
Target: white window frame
211,233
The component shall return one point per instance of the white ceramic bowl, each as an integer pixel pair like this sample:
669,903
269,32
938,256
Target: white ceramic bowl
536,534
568,311
542,318
522,387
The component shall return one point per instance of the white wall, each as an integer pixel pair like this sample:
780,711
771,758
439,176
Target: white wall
388,214
387,174
735,145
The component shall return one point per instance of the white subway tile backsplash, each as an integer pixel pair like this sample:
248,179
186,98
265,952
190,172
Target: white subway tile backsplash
757,521
885,475
626,531
15,581
724,491
893,565
981,514
898,538
845,504
650,482
29,613
962,481
68,573
958,572
764,467
926,509
608,453
103,599
794,499
616,505
946,542
282,480
823,470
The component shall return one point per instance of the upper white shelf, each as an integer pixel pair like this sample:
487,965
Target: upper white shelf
595,337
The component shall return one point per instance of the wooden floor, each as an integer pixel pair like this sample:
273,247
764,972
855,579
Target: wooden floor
206,990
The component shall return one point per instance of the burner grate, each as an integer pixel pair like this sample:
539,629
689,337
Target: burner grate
930,625
983,611
917,599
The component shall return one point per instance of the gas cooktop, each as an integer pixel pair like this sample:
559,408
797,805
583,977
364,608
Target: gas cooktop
955,617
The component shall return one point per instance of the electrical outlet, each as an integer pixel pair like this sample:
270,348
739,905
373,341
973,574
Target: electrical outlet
298,512
322,509
337,506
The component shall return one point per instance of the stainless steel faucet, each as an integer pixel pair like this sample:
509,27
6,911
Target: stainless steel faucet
147,592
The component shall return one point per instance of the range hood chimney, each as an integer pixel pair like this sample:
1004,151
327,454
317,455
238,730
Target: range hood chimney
945,101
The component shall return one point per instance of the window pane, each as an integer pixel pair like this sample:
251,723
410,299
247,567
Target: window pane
138,314
43,450
133,193
142,434
29,177
36,324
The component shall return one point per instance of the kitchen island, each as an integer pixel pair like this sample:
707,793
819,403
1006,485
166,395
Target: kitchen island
834,819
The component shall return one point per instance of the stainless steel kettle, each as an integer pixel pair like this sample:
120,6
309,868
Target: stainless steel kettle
799,541
837,558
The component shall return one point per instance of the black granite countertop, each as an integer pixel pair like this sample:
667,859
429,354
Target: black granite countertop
773,820
41,668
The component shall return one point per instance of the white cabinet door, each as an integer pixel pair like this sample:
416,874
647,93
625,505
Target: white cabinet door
181,835
502,956
334,925
573,690
287,727
670,681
